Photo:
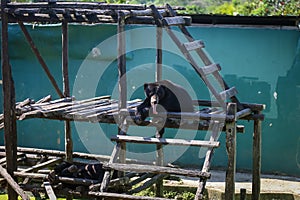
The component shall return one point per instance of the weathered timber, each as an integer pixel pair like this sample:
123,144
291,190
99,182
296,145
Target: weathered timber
165,141
82,5
116,196
256,160
42,165
140,179
147,184
159,37
68,180
107,174
231,152
13,184
252,106
9,101
45,99
49,191
155,169
40,59
215,132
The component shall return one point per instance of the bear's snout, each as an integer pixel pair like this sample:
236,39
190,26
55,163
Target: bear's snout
154,101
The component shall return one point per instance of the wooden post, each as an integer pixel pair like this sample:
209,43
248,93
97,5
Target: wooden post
158,75
256,159
231,151
9,103
66,90
122,78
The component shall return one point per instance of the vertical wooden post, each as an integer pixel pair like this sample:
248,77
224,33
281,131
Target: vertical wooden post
9,104
158,77
122,76
256,160
159,32
66,90
231,151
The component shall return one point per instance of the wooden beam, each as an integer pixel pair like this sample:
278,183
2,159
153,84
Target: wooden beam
159,35
155,169
66,90
122,80
13,184
10,126
231,152
49,191
165,141
40,59
256,168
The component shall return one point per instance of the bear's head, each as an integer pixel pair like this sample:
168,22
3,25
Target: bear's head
155,92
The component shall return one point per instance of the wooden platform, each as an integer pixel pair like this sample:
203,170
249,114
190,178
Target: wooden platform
105,110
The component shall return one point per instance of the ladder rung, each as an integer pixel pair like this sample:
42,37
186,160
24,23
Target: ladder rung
164,141
190,46
228,93
155,169
173,21
211,69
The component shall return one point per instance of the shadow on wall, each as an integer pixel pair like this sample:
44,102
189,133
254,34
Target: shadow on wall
288,104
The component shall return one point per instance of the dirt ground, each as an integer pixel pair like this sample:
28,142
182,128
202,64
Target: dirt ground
273,187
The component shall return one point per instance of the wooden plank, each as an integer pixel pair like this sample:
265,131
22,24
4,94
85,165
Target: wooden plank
216,129
117,196
210,69
49,191
107,175
252,106
190,46
228,93
173,21
165,141
13,184
231,152
147,184
155,169
80,5
243,113
42,165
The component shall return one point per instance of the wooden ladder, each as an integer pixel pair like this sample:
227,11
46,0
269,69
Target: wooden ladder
205,72
159,169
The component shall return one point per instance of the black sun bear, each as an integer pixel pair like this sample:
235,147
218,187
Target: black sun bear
164,96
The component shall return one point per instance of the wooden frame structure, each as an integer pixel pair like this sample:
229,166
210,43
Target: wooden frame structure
75,12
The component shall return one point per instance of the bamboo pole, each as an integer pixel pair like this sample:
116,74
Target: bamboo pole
10,126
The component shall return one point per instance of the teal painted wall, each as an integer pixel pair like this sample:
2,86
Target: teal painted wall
263,64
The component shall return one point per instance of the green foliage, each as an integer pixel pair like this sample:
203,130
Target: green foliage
224,9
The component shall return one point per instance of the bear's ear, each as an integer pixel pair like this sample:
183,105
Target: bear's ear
145,86
161,90
146,89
